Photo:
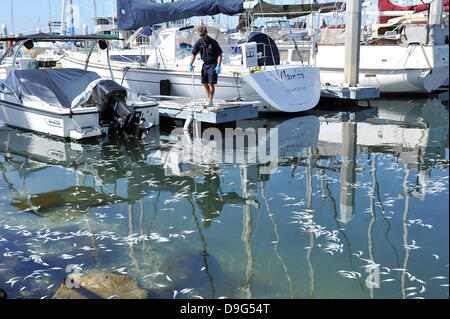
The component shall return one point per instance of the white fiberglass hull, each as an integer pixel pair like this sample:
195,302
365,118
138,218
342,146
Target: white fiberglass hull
395,69
56,121
229,87
148,81
288,88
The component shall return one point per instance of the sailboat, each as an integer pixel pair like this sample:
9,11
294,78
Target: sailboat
408,53
281,88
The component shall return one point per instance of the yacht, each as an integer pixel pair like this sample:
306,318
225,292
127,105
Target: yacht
255,73
67,102
404,52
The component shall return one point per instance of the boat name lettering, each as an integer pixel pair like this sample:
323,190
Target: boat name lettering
294,76
55,154
53,122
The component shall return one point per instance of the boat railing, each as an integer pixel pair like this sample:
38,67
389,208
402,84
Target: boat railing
4,85
102,45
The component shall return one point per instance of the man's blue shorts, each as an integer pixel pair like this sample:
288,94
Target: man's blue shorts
209,75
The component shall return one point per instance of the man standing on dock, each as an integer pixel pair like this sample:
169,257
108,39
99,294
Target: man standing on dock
211,54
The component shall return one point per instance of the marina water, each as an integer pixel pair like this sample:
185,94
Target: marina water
350,204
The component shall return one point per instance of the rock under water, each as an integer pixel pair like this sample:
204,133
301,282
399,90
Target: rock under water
100,286
192,268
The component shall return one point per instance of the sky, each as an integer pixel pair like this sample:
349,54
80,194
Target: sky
29,15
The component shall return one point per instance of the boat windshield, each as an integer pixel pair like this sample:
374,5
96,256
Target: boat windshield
177,43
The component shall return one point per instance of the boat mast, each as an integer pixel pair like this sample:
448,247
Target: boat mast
12,17
49,17
112,12
95,9
4,35
72,22
63,17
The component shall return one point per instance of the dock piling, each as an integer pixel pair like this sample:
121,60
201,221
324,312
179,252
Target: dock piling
352,43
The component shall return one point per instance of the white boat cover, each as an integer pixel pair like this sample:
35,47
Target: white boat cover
54,86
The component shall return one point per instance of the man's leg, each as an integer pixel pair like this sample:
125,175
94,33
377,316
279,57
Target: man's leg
212,83
205,81
208,91
212,90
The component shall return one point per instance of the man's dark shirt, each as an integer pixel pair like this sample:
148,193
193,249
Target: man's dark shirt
209,51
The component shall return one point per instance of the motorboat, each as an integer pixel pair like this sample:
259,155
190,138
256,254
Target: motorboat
280,88
67,102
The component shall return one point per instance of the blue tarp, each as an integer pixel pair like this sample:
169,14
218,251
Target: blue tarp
55,86
133,14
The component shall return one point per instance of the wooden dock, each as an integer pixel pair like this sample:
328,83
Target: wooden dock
223,111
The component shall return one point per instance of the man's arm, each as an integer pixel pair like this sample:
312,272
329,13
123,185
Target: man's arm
219,64
191,67
194,54
192,58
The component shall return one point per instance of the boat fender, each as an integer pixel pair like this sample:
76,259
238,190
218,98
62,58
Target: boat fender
253,70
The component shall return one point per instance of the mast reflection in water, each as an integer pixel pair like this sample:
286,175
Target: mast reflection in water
351,205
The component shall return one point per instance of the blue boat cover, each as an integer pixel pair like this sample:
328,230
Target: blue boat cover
133,14
58,87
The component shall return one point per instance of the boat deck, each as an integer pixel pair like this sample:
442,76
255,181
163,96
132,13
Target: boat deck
222,112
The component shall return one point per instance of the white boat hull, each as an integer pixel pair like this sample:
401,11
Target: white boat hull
289,89
229,87
60,122
395,69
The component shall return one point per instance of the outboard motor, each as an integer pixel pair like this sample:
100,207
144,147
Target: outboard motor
111,98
